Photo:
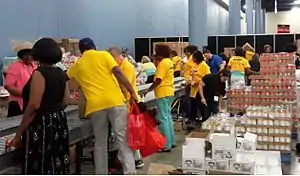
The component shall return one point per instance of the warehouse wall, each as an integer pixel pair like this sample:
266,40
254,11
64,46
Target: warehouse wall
117,22
26,20
112,22
218,19
289,17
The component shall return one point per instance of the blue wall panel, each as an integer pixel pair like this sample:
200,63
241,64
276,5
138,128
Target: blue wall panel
108,22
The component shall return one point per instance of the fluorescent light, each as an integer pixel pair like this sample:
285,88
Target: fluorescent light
245,7
297,2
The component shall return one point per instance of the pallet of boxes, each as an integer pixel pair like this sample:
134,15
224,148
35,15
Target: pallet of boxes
225,154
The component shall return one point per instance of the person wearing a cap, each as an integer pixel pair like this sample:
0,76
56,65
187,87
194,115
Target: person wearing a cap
16,77
99,77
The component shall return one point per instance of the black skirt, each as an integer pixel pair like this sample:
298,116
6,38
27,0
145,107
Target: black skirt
46,145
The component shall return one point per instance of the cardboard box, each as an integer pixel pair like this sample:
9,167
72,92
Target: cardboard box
74,92
243,163
223,153
193,158
217,165
249,142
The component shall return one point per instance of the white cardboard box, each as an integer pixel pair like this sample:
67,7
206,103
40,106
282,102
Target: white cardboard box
224,140
243,163
223,153
193,158
217,165
249,142
195,142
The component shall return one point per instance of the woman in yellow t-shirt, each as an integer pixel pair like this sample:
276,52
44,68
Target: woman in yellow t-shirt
163,87
197,73
177,61
239,67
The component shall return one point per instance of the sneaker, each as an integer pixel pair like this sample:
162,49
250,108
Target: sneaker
3,92
139,164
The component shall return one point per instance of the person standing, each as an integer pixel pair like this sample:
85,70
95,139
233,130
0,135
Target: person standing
215,62
128,70
99,77
149,68
44,129
188,51
239,67
177,61
163,87
17,75
198,72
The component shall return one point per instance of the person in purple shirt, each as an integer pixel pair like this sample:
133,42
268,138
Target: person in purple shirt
215,62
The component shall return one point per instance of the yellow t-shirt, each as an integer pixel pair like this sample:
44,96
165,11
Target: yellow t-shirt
199,72
249,55
129,71
177,63
238,64
93,72
165,72
188,66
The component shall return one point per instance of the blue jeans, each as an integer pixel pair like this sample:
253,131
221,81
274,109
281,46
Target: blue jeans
165,120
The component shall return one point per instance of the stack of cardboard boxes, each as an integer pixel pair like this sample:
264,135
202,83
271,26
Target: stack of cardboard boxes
226,154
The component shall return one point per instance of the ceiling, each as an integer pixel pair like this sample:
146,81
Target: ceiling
282,5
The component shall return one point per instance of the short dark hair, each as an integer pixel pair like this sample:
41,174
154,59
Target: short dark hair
24,52
239,51
207,51
198,56
162,50
191,49
225,72
290,48
47,51
174,53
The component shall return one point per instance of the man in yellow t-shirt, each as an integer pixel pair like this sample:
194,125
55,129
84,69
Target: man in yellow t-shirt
163,87
99,76
129,71
177,62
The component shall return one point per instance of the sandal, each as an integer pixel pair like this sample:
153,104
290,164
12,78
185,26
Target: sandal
164,151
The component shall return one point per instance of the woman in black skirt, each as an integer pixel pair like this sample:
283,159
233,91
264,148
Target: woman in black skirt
44,129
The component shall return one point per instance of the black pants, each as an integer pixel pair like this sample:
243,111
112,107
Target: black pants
186,107
177,74
197,105
13,109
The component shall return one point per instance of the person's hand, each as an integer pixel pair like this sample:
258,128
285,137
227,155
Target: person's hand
15,142
133,97
144,92
203,101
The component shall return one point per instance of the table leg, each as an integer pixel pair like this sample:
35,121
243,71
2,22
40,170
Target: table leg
79,152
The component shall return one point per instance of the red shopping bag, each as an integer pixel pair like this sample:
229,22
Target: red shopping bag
149,119
154,141
136,128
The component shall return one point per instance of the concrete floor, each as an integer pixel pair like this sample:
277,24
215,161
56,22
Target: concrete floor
161,163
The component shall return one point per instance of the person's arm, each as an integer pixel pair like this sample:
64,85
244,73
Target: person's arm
220,101
248,71
200,86
229,63
66,95
10,81
37,87
221,64
156,83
